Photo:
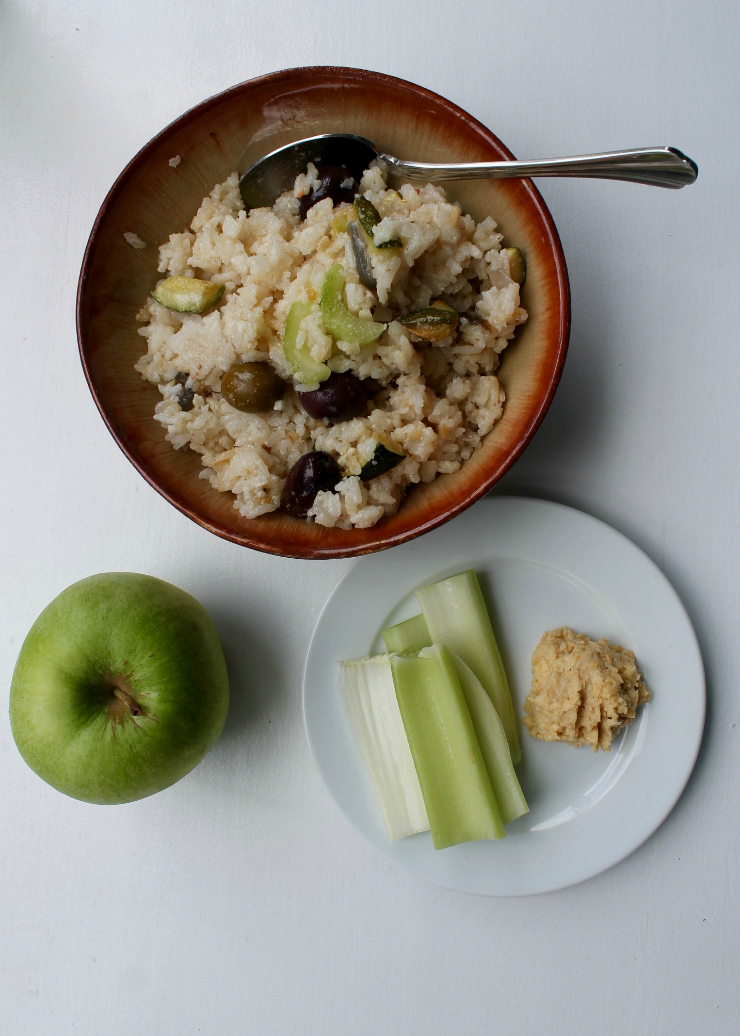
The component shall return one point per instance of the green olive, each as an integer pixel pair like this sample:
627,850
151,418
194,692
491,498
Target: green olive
252,387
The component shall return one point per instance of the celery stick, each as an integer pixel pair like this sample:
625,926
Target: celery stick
371,707
298,357
493,744
456,616
457,791
411,635
338,321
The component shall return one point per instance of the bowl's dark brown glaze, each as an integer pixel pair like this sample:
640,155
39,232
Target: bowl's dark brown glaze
153,200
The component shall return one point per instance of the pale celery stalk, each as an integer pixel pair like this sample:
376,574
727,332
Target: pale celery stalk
457,791
369,698
410,635
338,320
456,616
493,744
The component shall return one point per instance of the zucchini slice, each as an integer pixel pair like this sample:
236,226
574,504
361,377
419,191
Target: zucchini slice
187,294
385,457
362,255
369,218
432,323
517,265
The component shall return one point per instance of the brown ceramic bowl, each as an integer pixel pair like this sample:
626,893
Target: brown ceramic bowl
152,199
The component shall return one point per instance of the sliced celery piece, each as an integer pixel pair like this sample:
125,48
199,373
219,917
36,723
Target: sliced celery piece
517,265
410,635
457,791
456,616
370,704
302,364
338,320
493,744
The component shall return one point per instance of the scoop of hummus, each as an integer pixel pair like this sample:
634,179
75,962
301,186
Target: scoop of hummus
583,691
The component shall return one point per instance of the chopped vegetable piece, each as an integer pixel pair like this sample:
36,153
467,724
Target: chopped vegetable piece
362,256
369,218
371,707
305,369
457,791
456,616
386,456
433,322
493,744
517,265
410,635
362,218
338,320
339,220
187,294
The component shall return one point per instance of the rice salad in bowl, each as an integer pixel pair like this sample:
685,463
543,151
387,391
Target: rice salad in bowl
324,354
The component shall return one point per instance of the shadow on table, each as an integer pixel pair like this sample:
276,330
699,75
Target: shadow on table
259,689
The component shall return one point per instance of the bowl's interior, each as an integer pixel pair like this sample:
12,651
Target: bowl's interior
153,200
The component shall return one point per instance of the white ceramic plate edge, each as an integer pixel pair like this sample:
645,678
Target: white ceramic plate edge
640,831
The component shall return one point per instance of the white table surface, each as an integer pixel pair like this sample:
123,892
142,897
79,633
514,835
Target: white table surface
240,901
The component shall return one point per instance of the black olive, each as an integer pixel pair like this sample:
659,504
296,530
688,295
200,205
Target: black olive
184,395
336,182
340,398
310,474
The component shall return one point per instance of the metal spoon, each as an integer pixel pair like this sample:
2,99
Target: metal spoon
264,181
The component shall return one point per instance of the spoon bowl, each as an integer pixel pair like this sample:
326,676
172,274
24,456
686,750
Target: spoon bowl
263,182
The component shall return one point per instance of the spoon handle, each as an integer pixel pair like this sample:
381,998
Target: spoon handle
657,166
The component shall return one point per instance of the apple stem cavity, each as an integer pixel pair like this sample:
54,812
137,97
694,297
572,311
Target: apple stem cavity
128,705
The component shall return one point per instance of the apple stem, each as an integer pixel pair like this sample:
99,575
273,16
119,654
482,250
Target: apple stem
127,700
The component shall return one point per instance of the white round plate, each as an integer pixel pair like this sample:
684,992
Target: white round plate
541,565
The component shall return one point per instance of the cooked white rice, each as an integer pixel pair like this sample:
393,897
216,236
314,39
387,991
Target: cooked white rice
435,401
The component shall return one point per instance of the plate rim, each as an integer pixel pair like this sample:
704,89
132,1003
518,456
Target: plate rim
690,752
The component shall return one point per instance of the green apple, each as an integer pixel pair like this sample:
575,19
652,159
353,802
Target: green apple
120,688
